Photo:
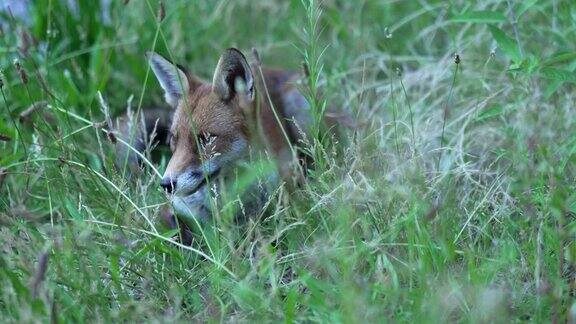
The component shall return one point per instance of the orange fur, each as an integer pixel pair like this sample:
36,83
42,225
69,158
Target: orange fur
214,124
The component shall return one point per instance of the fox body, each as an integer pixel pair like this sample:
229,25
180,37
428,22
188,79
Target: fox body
214,125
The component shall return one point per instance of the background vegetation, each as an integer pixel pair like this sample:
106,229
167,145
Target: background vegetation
453,199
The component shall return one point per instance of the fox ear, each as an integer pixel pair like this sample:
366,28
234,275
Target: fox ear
173,79
233,75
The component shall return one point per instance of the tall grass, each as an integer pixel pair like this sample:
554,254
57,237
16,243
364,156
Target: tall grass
451,199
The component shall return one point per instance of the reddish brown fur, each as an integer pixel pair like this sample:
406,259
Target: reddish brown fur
204,112
225,117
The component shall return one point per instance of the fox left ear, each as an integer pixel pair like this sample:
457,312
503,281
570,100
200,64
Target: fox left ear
233,75
173,80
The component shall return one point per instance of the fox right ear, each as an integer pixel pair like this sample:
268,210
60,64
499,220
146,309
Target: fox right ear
231,71
172,78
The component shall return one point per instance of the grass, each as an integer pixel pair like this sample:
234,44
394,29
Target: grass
452,200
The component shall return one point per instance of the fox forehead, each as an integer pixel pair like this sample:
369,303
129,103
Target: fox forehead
204,112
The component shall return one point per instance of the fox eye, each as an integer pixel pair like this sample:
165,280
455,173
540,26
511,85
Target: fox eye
205,138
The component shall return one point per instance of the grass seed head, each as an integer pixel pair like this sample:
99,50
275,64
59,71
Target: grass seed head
112,137
26,115
305,69
40,274
161,12
26,42
21,71
3,173
256,56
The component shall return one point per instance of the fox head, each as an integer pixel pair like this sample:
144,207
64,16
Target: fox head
208,130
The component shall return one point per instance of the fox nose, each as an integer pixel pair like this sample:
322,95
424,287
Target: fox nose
168,184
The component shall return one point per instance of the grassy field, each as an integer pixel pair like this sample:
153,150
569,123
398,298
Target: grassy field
452,200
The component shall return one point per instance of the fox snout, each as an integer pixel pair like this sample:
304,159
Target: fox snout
188,182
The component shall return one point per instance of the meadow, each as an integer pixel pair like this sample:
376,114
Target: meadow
450,196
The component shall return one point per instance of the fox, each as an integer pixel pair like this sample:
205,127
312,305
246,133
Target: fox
212,125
